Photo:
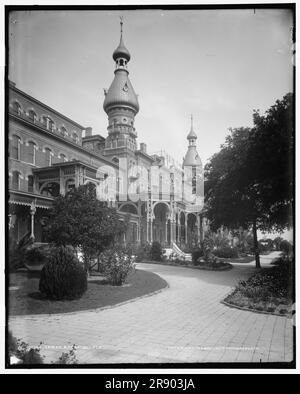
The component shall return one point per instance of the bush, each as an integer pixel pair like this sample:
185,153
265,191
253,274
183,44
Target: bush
35,255
196,254
226,252
63,277
143,252
156,252
22,352
116,264
286,247
18,250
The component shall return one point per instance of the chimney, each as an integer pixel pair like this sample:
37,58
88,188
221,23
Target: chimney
143,147
88,132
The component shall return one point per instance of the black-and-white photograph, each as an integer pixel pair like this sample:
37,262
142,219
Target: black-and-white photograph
150,187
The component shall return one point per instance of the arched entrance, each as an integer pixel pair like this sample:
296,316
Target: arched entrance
161,224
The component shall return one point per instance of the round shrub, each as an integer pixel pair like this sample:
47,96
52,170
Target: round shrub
156,252
116,264
63,277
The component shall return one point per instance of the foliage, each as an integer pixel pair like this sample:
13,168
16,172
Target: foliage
156,252
35,255
196,254
269,282
269,290
81,220
68,358
286,247
18,250
277,241
142,252
22,352
226,252
116,264
63,277
31,356
244,187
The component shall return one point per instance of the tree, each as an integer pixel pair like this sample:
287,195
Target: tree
79,219
249,182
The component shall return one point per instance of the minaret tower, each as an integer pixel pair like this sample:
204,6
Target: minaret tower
193,166
192,157
121,104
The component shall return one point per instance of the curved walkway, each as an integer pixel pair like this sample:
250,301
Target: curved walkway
184,323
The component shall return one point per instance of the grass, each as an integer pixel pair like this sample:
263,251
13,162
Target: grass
269,290
25,298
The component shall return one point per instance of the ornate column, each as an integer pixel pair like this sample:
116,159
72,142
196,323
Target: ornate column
185,227
166,230
32,213
178,228
198,228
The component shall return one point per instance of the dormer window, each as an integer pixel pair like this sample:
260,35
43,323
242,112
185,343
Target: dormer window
32,115
48,123
75,137
17,107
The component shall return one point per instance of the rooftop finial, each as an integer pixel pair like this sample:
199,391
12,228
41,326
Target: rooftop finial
191,121
121,23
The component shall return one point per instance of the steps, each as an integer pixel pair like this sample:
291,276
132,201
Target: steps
182,255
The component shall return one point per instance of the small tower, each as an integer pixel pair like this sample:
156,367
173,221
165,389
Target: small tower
121,103
193,167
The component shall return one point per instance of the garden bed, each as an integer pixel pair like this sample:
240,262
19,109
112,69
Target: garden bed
25,298
187,264
269,291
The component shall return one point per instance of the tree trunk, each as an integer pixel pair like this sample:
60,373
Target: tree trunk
256,250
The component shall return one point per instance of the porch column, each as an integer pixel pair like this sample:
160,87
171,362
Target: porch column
147,230
198,228
32,213
151,230
185,227
166,231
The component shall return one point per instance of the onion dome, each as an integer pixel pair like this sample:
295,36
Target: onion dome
192,157
121,93
121,51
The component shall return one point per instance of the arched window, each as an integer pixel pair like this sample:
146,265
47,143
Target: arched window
30,183
32,115
16,147
16,180
17,107
51,189
48,157
31,152
63,157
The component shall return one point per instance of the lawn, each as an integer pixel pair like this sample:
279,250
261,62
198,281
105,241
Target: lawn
25,298
268,290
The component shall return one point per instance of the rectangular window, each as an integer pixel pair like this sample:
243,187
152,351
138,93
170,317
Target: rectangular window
30,184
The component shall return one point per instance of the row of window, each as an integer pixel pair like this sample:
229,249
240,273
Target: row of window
46,121
15,152
16,179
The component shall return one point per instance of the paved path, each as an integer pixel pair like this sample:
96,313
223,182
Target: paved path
184,323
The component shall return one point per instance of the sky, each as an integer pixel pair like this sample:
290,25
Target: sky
218,65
